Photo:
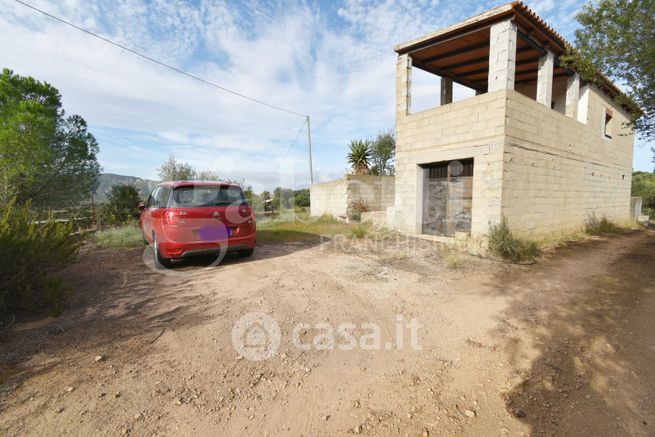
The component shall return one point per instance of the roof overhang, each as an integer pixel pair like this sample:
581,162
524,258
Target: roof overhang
461,51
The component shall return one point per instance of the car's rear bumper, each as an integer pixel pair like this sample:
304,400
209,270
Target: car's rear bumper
170,249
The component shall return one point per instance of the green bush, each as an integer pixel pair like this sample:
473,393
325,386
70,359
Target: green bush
643,185
121,207
602,226
32,252
359,231
119,237
502,243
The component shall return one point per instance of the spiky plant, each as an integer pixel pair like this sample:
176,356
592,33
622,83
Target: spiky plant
359,156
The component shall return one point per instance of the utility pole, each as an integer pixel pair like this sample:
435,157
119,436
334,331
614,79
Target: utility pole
309,143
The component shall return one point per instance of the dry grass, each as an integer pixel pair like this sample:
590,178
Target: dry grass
602,226
119,237
453,260
300,228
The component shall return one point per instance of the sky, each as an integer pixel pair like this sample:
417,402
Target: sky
332,60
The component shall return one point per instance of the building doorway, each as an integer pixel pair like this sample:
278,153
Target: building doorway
447,197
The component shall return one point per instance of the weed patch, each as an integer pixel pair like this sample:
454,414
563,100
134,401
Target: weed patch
121,237
504,244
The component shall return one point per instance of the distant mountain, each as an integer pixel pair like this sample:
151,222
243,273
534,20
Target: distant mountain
108,180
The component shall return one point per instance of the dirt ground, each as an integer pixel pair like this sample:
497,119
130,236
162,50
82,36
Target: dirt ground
562,347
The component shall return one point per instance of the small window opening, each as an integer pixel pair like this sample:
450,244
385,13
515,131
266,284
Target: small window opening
608,118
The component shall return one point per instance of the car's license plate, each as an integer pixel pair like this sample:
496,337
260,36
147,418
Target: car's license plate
212,233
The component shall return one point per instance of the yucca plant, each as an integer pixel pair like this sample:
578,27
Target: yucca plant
359,156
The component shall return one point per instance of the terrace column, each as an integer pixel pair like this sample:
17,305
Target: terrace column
545,79
403,85
502,56
446,90
583,104
572,96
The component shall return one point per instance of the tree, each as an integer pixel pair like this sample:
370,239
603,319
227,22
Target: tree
359,156
301,197
283,198
171,170
207,175
45,156
383,151
121,206
643,185
618,38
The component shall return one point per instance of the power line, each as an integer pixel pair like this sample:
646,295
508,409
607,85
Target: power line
163,64
295,139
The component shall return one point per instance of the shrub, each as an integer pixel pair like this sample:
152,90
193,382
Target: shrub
359,231
121,207
359,205
32,253
453,260
502,243
602,226
119,237
643,185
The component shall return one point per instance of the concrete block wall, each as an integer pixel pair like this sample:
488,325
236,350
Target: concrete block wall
336,197
328,198
376,191
559,173
471,128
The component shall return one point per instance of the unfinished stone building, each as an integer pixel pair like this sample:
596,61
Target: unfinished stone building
534,142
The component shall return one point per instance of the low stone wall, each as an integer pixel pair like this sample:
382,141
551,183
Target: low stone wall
328,198
337,197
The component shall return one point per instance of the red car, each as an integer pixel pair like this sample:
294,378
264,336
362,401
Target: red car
187,218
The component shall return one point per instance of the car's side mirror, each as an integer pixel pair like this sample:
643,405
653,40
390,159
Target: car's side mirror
141,206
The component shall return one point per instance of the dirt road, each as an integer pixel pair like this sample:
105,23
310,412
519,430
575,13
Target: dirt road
562,347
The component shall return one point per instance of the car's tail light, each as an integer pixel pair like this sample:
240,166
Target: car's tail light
173,217
245,211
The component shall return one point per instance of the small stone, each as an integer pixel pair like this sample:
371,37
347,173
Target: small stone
283,355
426,433
99,358
137,416
469,413
325,418
239,357
59,409
117,395
179,401
356,404
357,429
519,413
409,415
70,389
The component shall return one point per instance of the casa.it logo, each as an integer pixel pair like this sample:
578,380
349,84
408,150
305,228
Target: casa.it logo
256,336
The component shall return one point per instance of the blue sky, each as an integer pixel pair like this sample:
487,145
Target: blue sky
331,60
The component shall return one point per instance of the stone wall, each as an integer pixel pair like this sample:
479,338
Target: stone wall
336,197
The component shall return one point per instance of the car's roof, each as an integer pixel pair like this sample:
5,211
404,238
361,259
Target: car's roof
176,184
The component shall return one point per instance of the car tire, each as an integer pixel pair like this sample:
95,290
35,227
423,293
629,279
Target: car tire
160,261
246,252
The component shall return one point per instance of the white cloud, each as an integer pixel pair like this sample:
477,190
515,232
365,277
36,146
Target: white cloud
334,62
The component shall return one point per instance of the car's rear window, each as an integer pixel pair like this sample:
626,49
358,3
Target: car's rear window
199,196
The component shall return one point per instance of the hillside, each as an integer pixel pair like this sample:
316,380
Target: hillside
108,180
